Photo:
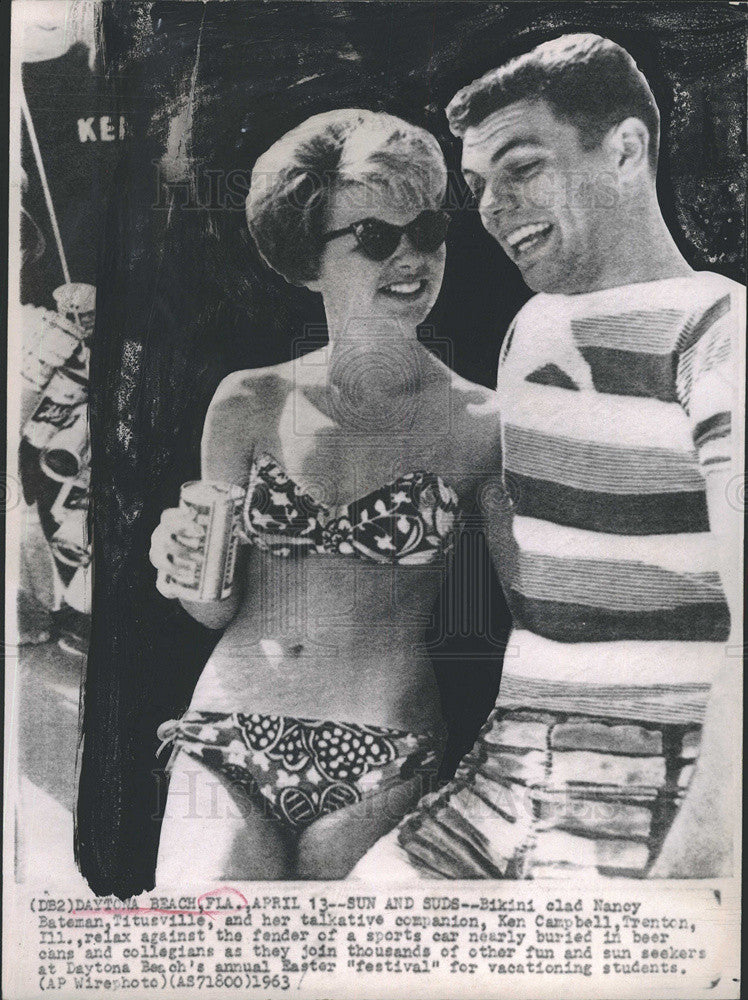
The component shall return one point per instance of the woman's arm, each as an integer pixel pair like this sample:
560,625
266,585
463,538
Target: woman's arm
217,614
225,455
226,449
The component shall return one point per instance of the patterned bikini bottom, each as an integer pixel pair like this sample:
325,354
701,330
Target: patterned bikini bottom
298,770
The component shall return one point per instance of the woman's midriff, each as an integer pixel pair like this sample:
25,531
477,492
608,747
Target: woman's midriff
329,638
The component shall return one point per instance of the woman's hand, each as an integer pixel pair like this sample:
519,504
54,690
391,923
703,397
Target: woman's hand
172,552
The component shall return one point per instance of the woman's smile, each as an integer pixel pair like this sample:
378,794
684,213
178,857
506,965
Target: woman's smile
405,289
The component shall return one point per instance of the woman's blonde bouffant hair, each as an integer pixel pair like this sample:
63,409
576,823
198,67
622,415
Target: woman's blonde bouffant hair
291,182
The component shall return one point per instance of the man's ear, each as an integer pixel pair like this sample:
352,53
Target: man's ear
628,143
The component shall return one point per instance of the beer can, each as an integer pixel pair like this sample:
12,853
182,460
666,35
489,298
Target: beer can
73,498
206,571
49,342
57,408
71,543
81,360
69,451
77,302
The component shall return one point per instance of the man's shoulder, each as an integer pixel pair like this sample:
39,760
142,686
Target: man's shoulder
536,306
714,300
710,285
736,291
694,295
717,280
532,318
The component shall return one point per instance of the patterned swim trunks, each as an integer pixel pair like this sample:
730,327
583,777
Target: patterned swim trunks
556,788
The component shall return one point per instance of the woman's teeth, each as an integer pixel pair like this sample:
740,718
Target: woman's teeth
527,237
404,288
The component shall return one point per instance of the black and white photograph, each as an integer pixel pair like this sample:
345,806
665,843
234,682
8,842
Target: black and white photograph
375,494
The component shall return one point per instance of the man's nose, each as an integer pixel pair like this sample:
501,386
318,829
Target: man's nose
494,201
487,201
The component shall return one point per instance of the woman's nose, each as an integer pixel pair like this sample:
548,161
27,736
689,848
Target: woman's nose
406,250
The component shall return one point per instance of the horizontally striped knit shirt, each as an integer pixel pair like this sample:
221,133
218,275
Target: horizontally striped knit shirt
615,408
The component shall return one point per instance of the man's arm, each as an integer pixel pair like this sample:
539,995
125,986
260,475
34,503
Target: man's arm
701,841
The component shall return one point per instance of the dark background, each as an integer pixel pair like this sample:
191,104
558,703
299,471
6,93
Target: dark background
60,93
183,298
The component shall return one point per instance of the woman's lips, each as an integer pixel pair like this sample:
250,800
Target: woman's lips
412,289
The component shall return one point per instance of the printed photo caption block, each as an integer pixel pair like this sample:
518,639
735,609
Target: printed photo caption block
615,939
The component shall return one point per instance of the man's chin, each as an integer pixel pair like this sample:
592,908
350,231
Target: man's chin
549,280
537,281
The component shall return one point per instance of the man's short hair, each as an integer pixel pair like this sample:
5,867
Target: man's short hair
292,181
586,80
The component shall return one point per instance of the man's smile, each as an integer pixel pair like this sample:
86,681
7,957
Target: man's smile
527,238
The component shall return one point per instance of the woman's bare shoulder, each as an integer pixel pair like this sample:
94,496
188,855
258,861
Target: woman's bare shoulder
245,408
475,422
476,400
254,389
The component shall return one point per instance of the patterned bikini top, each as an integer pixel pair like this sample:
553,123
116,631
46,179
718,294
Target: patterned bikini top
409,520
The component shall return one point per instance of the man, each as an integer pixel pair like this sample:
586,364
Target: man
613,529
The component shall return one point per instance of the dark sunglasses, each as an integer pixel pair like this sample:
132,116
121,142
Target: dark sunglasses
379,240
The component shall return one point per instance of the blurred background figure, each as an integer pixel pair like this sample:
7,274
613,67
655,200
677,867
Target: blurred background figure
69,141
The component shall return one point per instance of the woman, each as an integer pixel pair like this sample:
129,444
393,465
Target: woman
316,723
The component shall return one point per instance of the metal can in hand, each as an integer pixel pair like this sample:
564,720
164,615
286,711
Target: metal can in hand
58,407
49,341
205,572
77,302
69,451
